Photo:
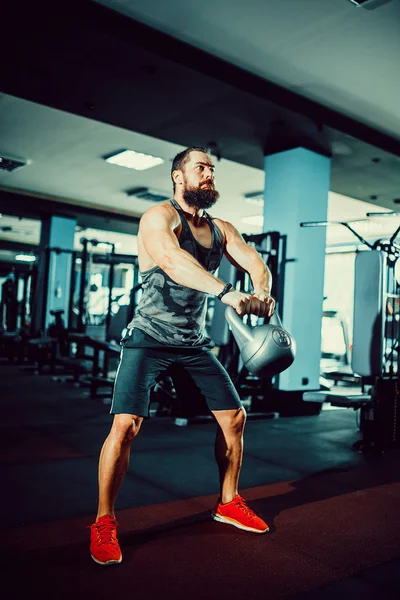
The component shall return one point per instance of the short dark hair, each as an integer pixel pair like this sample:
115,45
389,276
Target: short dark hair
181,158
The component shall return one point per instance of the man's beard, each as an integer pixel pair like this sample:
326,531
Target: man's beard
201,197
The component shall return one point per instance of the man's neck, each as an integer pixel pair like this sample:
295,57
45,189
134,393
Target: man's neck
194,213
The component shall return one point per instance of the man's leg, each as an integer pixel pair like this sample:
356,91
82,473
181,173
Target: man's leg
224,403
137,372
231,507
113,464
229,450
114,460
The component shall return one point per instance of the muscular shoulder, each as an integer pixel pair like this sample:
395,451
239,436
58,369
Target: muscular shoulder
161,214
227,229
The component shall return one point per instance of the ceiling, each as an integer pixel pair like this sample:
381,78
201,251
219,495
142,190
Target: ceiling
319,49
84,81
66,161
339,55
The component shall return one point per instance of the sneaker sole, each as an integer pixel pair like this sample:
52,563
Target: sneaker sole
108,563
237,524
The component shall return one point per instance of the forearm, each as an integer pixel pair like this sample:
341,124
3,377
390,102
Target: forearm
261,276
185,270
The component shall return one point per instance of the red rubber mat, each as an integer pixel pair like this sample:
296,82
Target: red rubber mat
25,446
176,549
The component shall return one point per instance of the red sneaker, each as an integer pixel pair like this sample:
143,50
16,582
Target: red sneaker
238,514
104,547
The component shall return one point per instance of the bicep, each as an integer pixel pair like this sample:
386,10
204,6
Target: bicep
237,251
157,235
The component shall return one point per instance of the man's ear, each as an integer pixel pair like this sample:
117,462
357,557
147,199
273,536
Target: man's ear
177,176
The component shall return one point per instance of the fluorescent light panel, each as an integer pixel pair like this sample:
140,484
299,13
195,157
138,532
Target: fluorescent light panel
383,214
25,257
134,160
314,224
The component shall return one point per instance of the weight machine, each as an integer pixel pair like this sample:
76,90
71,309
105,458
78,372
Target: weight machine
62,334
110,259
375,355
17,295
95,337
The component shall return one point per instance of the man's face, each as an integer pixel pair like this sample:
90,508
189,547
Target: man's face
198,181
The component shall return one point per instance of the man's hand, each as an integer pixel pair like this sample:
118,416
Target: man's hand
265,297
247,304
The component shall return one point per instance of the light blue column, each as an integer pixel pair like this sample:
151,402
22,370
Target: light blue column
296,190
61,235
54,271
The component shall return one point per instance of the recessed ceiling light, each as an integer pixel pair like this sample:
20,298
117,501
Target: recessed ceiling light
25,257
134,160
341,149
11,164
144,193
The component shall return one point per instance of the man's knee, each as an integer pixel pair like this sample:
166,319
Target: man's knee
240,419
234,422
125,428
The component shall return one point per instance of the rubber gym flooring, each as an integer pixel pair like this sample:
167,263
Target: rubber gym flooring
333,513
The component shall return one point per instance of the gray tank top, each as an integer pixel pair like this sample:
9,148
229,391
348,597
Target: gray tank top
174,314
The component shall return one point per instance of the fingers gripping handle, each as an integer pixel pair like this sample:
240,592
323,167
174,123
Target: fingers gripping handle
233,318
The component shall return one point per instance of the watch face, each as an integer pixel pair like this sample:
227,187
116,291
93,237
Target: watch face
281,338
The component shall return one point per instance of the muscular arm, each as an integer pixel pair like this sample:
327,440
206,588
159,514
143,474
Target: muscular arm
161,244
247,258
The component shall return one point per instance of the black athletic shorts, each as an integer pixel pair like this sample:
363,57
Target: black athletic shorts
143,359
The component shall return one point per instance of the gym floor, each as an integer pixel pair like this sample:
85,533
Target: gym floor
333,513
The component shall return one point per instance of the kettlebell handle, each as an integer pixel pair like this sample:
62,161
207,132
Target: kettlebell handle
231,315
243,331
275,319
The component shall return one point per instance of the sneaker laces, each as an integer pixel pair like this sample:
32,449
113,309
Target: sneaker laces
241,504
105,530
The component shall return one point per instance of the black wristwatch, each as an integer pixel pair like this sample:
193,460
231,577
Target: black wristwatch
226,289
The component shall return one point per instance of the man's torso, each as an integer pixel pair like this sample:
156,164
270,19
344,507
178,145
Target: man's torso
202,233
170,313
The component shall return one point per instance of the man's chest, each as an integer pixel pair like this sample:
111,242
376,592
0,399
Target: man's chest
201,233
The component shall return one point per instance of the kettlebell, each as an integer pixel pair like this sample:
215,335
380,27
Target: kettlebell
266,349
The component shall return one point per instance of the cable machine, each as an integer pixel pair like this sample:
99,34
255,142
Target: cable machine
375,355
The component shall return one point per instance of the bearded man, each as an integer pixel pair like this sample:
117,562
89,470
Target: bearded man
180,247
